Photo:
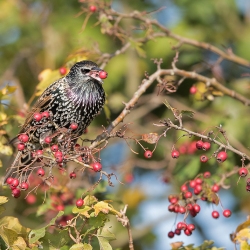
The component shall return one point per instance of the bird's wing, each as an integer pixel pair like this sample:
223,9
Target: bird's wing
41,104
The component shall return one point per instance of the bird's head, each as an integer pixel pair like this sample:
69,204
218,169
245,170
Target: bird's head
85,71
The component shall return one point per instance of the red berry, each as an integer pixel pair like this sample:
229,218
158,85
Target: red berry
199,144
243,172
215,188
103,74
171,208
39,152
59,159
63,70
48,140
60,207
129,178
45,114
188,195
15,182
79,202
73,126
72,175
184,188
40,172
227,213
31,199
206,146
16,193
182,210
192,183
9,180
37,117
24,185
23,138
173,200
21,146
175,154
177,231
187,232
203,158
193,90
198,181
196,208
191,227
189,207
248,181
176,208
58,154
198,188
248,188
215,214
207,174
54,148
97,166
221,156
171,234
148,154
181,225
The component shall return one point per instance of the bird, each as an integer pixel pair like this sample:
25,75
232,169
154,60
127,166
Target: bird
75,98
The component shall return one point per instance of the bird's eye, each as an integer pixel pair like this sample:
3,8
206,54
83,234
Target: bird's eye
85,71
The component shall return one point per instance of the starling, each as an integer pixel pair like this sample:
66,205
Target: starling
75,98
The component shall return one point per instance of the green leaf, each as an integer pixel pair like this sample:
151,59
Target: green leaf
59,239
44,208
37,234
190,170
105,233
2,209
81,246
104,244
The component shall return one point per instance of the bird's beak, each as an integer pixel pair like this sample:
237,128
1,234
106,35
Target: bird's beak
94,73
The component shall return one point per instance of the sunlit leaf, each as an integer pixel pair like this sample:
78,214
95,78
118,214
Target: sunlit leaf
89,200
3,200
83,211
81,246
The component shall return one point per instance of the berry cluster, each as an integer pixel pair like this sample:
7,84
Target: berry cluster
199,189
55,151
185,203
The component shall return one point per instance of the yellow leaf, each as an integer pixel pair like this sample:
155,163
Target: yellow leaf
1,164
243,235
11,89
83,211
6,150
104,207
3,116
89,200
243,225
48,79
3,200
101,206
244,245
44,74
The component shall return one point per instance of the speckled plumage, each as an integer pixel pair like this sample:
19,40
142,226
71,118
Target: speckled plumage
76,98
